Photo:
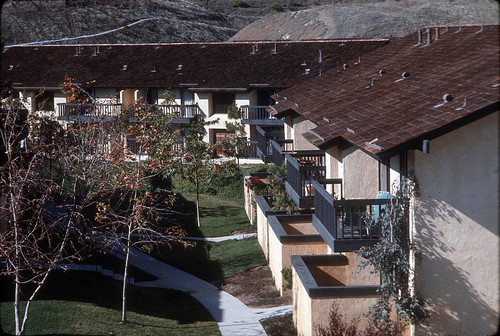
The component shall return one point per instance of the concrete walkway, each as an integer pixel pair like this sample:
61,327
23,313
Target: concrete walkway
232,316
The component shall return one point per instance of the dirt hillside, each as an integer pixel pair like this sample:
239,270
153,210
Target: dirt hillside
369,20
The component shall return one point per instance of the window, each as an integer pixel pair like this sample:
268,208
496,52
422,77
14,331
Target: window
221,102
45,101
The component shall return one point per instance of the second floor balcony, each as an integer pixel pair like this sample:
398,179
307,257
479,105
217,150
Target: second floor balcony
347,225
264,137
177,113
258,115
303,167
72,111
181,114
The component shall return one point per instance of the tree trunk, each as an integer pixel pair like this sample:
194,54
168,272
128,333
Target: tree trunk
16,306
197,199
125,275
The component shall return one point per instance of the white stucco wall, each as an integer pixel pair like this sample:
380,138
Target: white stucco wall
220,119
300,126
359,174
457,230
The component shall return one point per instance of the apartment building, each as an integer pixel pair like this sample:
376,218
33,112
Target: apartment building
188,79
425,108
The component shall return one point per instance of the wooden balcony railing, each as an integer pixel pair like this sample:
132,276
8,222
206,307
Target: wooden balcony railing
72,110
264,137
278,150
347,225
303,167
250,151
174,112
258,115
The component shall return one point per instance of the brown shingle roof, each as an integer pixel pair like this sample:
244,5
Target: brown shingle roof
209,65
463,62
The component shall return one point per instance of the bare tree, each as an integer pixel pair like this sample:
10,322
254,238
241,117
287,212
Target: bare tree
32,241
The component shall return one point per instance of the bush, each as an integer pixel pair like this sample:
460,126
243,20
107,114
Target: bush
226,180
276,6
337,326
239,3
287,276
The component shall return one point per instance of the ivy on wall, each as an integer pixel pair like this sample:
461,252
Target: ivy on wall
390,257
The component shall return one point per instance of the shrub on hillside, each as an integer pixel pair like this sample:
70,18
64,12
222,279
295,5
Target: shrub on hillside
276,6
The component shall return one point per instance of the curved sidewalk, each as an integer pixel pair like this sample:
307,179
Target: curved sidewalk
232,316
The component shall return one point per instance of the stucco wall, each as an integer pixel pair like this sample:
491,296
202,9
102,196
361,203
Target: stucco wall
457,230
301,125
280,254
288,126
262,231
332,168
302,314
127,96
360,174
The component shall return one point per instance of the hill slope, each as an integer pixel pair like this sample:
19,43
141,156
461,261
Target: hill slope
369,20
170,20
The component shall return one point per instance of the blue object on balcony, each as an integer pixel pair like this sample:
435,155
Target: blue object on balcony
379,210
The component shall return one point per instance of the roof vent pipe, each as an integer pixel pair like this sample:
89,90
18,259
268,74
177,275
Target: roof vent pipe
419,37
429,37
463,106
437,34
381,72
345,66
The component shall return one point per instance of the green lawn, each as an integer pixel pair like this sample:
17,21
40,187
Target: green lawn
87,303
220,216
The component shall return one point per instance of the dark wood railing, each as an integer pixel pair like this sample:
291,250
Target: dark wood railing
264,137
278,150
171,111
303,167
71,110
354,219
250,151
249,112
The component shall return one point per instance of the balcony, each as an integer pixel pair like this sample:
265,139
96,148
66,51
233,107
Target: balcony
72,111
249,151
258,115
303,167
347,225
264,137
278,150
180,114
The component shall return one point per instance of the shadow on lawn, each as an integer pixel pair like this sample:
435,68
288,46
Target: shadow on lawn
91,287
195,258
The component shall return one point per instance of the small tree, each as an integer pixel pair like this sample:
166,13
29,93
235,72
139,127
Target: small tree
235,145
390,258
196,159
113,181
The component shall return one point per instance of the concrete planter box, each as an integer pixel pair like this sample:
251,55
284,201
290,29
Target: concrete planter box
319,281
263,211
249,181
291,235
